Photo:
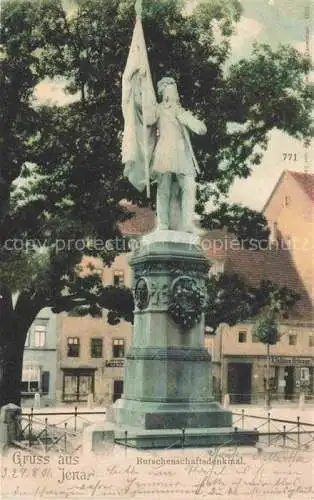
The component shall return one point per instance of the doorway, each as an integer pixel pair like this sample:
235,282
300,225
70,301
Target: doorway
117,389
240,382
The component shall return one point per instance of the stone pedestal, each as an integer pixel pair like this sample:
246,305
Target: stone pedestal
168,379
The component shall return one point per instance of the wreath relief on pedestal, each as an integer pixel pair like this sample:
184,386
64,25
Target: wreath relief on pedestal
141,294
187,302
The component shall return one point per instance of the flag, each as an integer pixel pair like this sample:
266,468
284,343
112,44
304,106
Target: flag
138,105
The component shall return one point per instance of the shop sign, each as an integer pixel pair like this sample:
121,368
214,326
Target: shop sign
114,363
294,361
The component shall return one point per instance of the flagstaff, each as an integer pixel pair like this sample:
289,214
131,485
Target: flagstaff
139,10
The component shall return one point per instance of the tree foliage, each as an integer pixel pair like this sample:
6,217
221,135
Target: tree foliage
232,300
266,329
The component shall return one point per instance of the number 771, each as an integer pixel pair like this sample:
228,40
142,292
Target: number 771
289,156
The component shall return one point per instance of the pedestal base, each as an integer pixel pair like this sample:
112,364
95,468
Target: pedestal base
168,438
147,415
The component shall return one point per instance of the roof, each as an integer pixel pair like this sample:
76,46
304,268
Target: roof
142,222
306,181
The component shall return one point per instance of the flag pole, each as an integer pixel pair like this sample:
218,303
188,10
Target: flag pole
138,10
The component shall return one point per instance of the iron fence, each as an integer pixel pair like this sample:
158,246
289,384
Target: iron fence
63,433
277,431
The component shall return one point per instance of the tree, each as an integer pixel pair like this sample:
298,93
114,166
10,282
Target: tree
232,300
69,156
278,303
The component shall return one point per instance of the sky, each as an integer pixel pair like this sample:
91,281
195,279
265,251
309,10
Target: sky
273,22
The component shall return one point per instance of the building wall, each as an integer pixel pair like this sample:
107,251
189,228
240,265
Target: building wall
105,370
105,374
227,350
292,211
42,358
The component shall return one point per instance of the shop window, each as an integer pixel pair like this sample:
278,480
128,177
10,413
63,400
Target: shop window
311,340
96,348
242,337
305,374
118,348
292,339
73,347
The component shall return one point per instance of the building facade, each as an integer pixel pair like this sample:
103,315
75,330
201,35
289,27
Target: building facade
40,359
239,362
91,351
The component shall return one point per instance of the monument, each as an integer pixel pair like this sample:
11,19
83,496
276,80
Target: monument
168,382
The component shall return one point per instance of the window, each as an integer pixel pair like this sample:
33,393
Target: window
292,339
118,347
118,278
311,340
287,201
30,378
242,337
73,347
39,336
96,348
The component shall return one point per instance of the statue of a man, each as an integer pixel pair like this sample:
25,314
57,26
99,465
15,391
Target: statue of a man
160,132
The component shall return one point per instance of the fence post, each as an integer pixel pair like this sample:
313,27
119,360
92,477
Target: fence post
65,436
182,438
298,425
236,437
30,427
125,438
268,421
46,434
242,418
284,436
75,418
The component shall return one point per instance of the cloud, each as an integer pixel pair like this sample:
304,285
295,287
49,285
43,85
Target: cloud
247,30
